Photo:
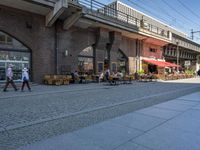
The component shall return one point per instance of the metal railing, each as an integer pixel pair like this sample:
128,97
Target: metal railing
109,10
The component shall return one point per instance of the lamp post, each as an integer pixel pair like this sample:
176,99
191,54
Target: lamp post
177,56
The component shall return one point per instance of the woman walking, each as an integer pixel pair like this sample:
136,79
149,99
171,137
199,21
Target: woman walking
25,79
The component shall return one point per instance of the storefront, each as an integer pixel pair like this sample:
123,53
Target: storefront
15,53
157,67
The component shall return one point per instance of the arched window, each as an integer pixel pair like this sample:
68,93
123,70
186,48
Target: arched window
13,52
86,61
122,61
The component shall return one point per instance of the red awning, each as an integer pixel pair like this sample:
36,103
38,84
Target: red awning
161,63
172,64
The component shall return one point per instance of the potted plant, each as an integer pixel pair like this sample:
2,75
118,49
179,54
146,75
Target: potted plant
141,75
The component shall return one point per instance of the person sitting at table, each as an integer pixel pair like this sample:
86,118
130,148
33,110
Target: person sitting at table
115,78
120,75
73,77
76,76
101,76
83,77
107,74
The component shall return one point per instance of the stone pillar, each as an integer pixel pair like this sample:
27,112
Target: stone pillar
138,60
101,46
115,39
132,65
102,39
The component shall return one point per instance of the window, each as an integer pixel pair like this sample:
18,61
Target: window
100,66
9,40
153,50
85,61
85,65
2,38
5,39
114,67
87,52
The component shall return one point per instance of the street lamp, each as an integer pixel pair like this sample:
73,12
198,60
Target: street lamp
177,56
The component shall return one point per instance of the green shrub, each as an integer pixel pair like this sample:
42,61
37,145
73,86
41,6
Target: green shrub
141,72
189,72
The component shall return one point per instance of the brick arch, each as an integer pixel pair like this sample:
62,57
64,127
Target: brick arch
84,39
14,23
87,47
81,46
29,49
73,40
128,46
30,30
123,53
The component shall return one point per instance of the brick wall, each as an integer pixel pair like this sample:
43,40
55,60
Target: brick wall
145,52
29,29
74,41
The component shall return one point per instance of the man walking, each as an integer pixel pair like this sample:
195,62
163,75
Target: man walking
9,78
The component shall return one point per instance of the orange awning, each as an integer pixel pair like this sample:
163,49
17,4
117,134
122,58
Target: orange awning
161,63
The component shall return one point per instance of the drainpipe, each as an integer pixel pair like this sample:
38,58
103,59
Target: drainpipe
136,45
56,48
94,60
136,73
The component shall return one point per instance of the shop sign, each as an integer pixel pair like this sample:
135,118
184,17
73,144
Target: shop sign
187,63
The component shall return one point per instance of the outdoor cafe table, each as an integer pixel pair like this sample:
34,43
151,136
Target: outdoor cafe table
113,80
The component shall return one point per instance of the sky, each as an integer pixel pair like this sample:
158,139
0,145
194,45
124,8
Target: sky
183,15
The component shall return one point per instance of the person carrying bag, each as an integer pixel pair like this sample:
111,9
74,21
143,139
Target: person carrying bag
25,79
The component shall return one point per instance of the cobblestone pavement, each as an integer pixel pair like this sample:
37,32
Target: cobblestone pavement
18,109
172,125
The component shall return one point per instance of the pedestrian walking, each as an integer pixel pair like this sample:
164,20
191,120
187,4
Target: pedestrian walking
198,73
25,79
9,78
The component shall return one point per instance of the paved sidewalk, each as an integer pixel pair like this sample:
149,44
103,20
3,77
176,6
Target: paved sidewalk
172,125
